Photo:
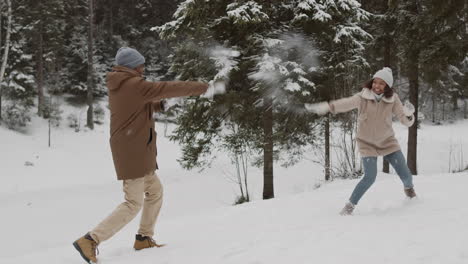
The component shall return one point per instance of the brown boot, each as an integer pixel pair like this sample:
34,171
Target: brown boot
142,242
410,193
87,248
348,209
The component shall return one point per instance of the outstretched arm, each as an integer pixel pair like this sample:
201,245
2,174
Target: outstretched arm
155,91
337,106
345,104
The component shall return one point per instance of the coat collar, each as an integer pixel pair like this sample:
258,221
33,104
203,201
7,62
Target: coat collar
366,93
119,68
119,75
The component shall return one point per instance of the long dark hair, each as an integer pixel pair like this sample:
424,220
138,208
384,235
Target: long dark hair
388,92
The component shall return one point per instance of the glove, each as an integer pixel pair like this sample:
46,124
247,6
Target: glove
210,92
218,87
318,108
408,108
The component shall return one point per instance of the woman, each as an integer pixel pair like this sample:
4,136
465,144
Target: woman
376,105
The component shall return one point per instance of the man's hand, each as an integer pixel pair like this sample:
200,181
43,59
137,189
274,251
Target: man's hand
217,87
209,94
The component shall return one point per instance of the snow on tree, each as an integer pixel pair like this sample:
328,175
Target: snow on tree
251,110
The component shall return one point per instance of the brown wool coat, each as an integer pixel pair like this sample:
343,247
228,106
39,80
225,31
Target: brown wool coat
375,135
132,101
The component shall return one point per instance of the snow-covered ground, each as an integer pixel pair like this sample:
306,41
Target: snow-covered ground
71,187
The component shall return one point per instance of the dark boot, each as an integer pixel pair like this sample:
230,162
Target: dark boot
87,248
142,242
410,193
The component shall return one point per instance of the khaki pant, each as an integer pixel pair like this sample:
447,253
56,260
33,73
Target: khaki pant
151,187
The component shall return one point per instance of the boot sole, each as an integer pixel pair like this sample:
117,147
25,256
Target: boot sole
157,246
77,247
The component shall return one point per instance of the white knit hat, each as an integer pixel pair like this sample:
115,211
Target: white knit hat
386,75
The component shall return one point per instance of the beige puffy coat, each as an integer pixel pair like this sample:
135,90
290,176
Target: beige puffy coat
375,135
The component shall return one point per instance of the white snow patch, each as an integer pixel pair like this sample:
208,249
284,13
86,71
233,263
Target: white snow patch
72,186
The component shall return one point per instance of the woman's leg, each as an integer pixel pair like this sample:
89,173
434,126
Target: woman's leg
370,173
399,164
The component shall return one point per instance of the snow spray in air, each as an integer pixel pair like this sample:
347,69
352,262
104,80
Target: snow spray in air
284,68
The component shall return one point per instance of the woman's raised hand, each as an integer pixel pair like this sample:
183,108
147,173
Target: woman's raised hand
408,108
318,108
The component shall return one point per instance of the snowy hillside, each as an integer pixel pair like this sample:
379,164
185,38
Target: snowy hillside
65,190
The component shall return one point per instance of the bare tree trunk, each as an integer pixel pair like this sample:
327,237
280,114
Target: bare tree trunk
90,121
385,166
455,101
5,53
268,188
238,163
465,111
239,177
353,145
49,119
387,57
111,19
1,76
40,74
244,167
389,26
413,97
465,93
443,110
433,108
327,147
1,28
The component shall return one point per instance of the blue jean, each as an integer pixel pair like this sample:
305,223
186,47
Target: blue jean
370,173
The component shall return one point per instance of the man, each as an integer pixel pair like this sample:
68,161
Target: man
132,101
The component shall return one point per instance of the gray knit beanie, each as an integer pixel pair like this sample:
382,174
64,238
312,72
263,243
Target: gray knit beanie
129,58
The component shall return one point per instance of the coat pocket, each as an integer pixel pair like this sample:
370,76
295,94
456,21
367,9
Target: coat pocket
150,137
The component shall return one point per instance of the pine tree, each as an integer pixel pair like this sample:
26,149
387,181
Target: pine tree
17,88
129,23
43,33
337,28
76,35
262,108
442,60
426,31
6,47
50,30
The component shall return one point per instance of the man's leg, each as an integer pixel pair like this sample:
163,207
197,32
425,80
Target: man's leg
123,214
151,205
